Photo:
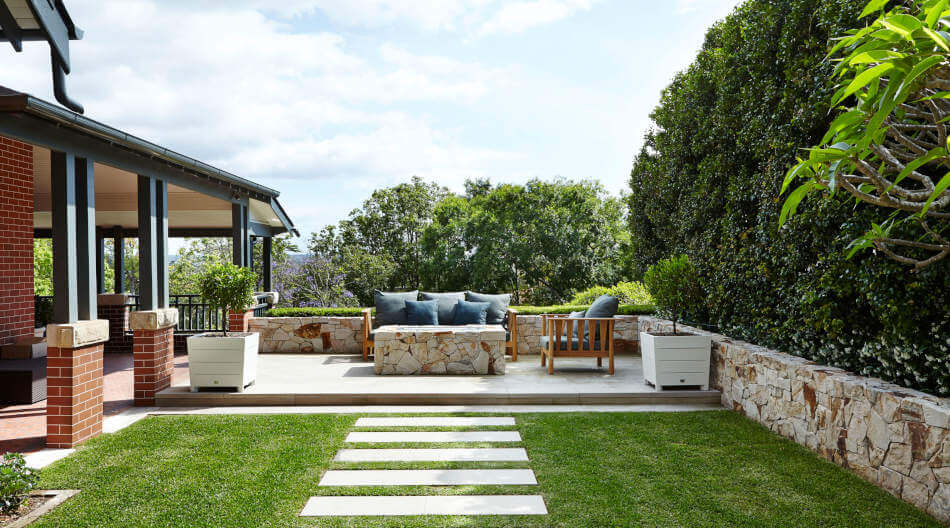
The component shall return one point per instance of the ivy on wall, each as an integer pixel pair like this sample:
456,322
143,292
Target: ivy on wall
706,184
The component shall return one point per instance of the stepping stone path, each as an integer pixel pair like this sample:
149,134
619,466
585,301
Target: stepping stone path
429,504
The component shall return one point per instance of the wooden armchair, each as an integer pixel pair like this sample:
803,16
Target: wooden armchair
511,344
367,331
563,336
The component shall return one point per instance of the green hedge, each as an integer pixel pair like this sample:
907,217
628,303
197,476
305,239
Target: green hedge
707,184
626,309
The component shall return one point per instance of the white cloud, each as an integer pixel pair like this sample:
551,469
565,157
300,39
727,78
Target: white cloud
684,7
518,16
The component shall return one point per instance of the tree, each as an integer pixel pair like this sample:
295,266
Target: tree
889,146
225,286
674,285
43,266
193,259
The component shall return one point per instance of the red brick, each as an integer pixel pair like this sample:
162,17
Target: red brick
16,240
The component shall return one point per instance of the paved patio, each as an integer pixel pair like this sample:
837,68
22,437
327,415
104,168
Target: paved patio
23,427
297,379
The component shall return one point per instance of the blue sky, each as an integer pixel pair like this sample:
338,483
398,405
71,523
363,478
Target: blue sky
326,100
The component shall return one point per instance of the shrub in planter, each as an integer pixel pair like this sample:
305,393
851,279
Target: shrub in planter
674,285
228,360
16,482
228,287
627,292
675,359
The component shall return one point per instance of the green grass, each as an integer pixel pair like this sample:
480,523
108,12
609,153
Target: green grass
704,469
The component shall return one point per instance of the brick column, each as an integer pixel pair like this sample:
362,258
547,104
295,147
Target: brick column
153,352
74,382
114,307
238,321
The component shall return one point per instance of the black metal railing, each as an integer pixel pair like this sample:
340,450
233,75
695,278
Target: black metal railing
194,315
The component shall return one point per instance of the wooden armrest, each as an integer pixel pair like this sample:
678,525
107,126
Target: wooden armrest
367,321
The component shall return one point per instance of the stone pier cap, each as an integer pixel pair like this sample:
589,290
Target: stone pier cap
77,334
153,319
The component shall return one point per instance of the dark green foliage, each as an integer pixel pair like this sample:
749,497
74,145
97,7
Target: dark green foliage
706,184
625,309
674,285
42,310
16,482
226,286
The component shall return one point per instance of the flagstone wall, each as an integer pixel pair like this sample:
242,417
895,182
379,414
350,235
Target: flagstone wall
894,437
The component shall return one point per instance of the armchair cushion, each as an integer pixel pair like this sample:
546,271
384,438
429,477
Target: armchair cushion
447,304
471,313
604,306
571,344
498,309
423,313
391,307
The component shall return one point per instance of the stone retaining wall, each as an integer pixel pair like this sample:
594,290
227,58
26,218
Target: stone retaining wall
344,335
894,437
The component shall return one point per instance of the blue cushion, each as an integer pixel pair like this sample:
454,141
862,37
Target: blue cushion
447,303
471,312
391,307
499,305
604,306
422,312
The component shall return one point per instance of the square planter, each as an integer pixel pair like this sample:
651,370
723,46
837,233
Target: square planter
675,360
217,361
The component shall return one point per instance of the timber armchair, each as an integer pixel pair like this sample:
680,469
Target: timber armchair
511,328
569,335
367,333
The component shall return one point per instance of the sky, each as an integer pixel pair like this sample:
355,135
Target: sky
326,100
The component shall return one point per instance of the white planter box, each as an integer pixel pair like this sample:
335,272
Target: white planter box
676,360
219,361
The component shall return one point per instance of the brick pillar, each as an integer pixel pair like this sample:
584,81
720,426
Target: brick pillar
115,309
74,382
238,321
153,352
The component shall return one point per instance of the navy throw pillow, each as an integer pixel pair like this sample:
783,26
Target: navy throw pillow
467,312
447,303
498,310
422,313
391,307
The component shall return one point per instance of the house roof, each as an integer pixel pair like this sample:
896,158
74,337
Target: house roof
39,122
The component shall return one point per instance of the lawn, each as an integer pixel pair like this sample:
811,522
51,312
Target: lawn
622,469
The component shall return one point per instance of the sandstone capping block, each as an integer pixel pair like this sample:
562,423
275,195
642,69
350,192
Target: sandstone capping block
894,437
153,319
113,299
77,334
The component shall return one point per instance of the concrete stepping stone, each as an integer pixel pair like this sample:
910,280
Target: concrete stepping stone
428,477
433,436
425,505
434,421
433,455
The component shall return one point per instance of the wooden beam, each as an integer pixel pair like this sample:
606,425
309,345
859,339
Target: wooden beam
86,264
267,263
148,269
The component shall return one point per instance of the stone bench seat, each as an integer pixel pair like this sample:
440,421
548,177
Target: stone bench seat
469,349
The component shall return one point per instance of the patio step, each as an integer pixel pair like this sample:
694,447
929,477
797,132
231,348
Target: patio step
425,505
487,454
378,437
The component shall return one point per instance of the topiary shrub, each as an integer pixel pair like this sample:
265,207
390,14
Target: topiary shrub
627,292
674,284
16,482
227,287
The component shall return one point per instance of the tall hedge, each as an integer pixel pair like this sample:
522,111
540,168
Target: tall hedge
706,183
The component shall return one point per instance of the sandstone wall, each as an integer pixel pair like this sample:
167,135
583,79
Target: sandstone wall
302,335
894,437
344,335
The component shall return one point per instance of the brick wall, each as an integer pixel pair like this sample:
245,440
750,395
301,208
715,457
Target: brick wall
120,342
153,356
16,240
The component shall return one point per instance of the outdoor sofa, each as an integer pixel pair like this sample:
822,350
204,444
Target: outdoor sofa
392,309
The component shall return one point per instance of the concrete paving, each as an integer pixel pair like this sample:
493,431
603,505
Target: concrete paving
315,379
488,454
432,436
425,505
435,421
428,477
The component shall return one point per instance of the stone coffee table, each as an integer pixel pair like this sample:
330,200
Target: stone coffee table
469,349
